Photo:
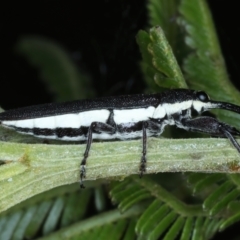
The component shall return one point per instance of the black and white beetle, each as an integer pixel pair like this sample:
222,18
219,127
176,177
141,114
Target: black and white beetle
122,117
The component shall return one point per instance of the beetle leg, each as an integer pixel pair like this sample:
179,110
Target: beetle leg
142,167
97,127
213,127
154,126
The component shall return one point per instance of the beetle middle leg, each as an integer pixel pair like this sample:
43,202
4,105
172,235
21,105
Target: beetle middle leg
154,126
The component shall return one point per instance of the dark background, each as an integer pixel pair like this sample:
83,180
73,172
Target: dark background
100,38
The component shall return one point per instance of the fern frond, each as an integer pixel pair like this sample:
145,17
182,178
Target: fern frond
45,213
220,195
166,216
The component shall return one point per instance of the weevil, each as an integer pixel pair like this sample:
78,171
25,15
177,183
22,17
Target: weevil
122,117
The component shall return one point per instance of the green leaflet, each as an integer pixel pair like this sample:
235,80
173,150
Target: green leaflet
159,64
165,13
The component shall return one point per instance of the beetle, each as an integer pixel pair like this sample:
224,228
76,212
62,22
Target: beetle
121,117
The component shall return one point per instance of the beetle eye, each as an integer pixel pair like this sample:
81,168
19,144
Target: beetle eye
202,96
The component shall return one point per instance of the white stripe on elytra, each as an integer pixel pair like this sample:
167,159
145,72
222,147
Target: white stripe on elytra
120,117
85,119
62,121
132,115
45,122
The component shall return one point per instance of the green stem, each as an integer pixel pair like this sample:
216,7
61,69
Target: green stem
33,168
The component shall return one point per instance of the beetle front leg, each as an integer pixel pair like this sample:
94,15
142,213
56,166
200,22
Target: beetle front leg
97,127
213,127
